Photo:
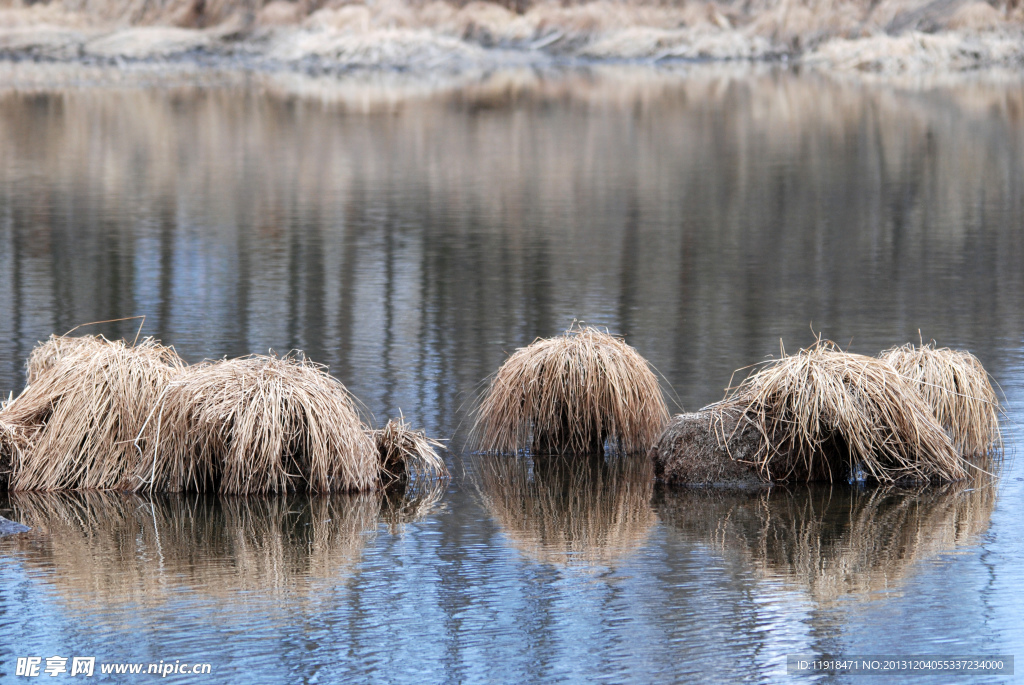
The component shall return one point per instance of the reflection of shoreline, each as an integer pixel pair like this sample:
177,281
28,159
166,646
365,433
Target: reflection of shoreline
833,542
888,36
569,511
104,547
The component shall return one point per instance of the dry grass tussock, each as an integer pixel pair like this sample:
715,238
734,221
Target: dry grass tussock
406,453
824,413
78,419
831,542
254,425
563,511
110,548
107,415
956,387
569,394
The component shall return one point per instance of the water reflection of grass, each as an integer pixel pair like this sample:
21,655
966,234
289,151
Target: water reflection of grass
833,542
106,547
570,511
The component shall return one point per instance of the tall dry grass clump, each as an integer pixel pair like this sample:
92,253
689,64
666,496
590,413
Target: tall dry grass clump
258,424
568,395
78,419
956,387
823,414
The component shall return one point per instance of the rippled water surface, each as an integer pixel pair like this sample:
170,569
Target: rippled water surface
410,239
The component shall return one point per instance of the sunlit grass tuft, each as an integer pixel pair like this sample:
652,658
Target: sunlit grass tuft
568,395
77,421
824,414
956,387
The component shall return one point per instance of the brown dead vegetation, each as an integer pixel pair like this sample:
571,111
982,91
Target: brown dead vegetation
112,416
258,424
78,420
957,388
819,415
824,414
569,395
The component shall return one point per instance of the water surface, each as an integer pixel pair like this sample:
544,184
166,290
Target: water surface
411,241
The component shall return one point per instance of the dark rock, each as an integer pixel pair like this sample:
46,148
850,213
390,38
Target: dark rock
711,447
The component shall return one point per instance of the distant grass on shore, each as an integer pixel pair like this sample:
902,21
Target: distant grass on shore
889,35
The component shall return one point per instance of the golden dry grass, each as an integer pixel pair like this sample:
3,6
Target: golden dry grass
257,424
12,442
569,511
569,394
824,413
956,387
831,542
78,419
406,453
46,355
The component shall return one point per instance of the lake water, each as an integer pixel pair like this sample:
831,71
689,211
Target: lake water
411,236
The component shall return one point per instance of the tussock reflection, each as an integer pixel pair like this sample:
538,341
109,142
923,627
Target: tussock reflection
118,548
831,542
570,511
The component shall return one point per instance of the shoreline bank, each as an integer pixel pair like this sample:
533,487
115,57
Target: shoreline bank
891,38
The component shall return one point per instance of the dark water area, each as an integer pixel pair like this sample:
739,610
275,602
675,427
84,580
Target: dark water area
411,241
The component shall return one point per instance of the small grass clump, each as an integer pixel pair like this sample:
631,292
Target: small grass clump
824,414
956,387
568,395
406,453
76,422
258,424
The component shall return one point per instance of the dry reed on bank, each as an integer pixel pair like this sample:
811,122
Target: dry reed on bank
956,387
569,511
258,424
831,542
568,395
823,413
81,414
405,453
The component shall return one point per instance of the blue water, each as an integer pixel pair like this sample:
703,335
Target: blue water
704,214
